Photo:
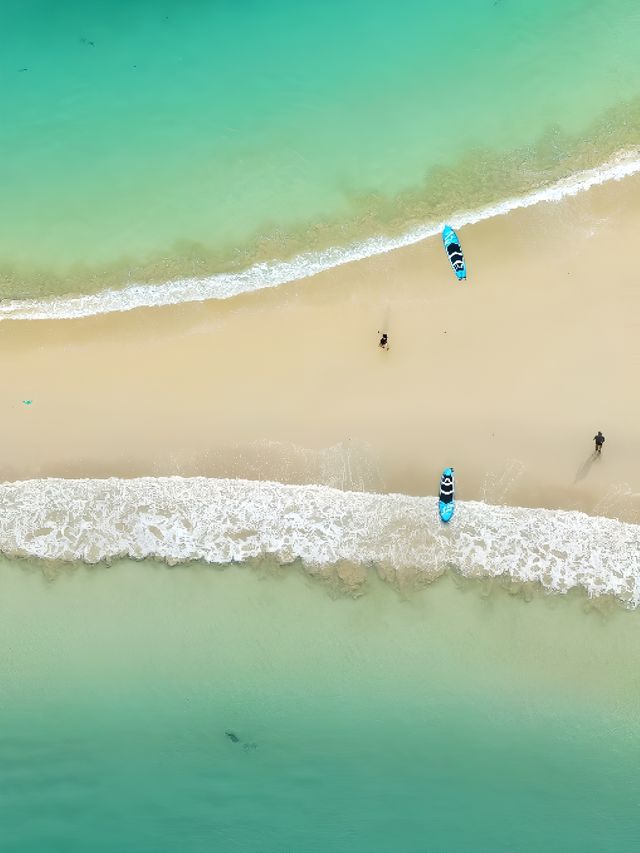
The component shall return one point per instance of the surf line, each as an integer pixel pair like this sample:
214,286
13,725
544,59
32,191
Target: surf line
275,273
222,521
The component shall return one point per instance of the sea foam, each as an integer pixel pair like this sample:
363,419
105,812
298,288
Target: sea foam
275,273
219,521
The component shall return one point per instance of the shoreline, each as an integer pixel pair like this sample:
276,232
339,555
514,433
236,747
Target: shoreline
507,377
623,164
179,520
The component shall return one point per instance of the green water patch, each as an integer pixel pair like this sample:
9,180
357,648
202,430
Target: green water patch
480,180
149,708
130,608
162,141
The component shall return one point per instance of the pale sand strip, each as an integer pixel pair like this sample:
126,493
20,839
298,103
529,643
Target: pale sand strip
507,377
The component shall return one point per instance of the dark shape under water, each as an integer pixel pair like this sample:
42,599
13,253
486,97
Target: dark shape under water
233,737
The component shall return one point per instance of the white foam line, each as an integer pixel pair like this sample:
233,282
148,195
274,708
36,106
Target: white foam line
273,274
220,521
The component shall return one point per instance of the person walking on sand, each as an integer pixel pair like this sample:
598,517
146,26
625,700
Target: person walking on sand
599,440
384,341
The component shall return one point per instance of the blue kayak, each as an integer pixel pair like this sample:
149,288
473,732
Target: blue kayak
454,252
447,503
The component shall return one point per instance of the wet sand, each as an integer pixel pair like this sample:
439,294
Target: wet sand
506,377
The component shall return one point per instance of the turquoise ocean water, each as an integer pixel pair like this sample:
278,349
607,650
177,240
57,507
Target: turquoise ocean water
148,141
455,717
144,708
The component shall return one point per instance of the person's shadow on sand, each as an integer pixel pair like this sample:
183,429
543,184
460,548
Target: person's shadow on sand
584,469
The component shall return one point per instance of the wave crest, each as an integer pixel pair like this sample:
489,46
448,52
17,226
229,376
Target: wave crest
273,274
179,519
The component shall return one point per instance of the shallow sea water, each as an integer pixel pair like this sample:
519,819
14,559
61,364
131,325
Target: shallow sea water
454,717
153,140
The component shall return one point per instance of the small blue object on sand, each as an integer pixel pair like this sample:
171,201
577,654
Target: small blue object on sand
454,252
447,503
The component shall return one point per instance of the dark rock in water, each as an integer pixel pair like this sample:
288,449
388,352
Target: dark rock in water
233,737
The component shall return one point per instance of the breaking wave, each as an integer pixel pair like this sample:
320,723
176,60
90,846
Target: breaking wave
177,519
275,273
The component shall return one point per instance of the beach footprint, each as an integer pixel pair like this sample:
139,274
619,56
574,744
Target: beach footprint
498,484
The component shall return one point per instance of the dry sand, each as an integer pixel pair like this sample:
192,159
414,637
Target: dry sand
506,377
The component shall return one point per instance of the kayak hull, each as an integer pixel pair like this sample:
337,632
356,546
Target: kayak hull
459,267
446,502
446,510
